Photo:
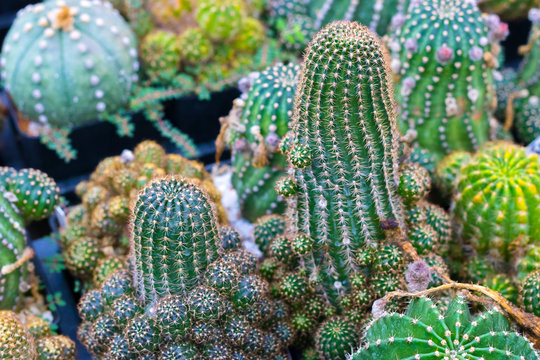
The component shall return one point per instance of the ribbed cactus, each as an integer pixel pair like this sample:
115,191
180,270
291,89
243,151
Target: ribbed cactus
530,293
448,170
194,46
336,338
345,152
81,49
175,237
529,72
497,198
445,52
160,51
256,125
527,120
427,332
220,19
508,9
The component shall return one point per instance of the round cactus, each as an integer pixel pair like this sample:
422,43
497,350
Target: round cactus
16,342
160,52
497,196
448,170
527,120
195,46
257,123
335,339
220,19
56,347
451,35
530,262
82,257
250,37
81,49
530,293
426,332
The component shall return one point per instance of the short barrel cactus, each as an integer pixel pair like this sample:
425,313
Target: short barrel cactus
81,49
445,52
256,126
425,331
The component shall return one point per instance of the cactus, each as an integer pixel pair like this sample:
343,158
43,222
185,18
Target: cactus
52,49
250,37
197,307
506,83
508,10
530,293
458,116
194,45
496,198
527,120
530,262
336,338
56,347
220,19
448,170
16,342
424,331
160,51
529,72
256,125
189,245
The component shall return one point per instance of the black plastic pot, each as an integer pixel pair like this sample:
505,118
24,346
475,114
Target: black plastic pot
95,141
68,317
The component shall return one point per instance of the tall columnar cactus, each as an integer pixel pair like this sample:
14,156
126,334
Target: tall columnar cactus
426,331
256,125
175,238
529,72
26,195
344,152
445,52
497,199
80,49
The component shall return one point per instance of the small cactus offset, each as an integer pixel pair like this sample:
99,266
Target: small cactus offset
161,52
427,332
445,53
220,19
527,120
496,199
256,126
52,49
529,293
171,251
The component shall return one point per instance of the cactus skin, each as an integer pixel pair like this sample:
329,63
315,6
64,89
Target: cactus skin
195,46
250,37
336,338
497,197
448,170
160,52
347,138
530,262
508,10
529,72
189,245
457,117
91,83
530,293
220,19
257,123
427,333
56,347
527,120
16,342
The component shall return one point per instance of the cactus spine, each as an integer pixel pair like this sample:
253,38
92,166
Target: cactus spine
344,157
425,331
176,221
449,109
257,123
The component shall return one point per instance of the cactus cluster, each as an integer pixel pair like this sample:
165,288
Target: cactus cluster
95,238
193,292
426,331
254,129
81,49
444,53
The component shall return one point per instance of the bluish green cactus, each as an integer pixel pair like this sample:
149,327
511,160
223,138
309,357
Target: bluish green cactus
426,332
529,293
527,119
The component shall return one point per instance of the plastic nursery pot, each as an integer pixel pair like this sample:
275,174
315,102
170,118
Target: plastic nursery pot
59,283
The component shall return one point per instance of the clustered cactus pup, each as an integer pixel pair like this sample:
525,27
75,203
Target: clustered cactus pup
192,293
445,52
67,63
254,128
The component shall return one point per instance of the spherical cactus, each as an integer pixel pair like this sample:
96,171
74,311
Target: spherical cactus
498,193
16,342
448,170
250,37
37,194
451,35
81,49
37,326
529,293
530,262
257,123
331,138
56,347
195,46
160,52
220,19
414,183
336,338
176,221
266,229
527,120
426,332
82,257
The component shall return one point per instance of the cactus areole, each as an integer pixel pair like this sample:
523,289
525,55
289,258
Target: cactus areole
67,62
344,152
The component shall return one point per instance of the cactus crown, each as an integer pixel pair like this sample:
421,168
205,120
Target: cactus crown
175,237
425,331
344,152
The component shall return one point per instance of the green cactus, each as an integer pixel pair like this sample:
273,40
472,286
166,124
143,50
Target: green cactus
496,198
506,83
182,247
426,332
336,338
530,262
82,257
358,136
457,116
508,10
448,170
16,342
160,51
56,347
529,72
195,46
82,50
527,120
423,158
250,37
220,19
38,327
503,285
529,293
257,123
